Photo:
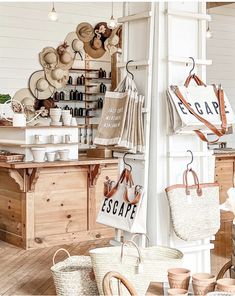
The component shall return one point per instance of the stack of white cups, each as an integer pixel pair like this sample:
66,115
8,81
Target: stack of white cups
55,114
66,117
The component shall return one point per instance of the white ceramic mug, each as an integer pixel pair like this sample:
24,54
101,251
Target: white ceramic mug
67,119
54,139
68,139
38,139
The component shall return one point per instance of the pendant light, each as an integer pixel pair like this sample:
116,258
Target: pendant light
52,15
209,34
112,23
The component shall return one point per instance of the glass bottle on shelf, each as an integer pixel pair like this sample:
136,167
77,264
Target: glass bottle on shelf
71,95
82,80
56,96
80,112
62,96
100,73
75,95
71,111
75,111
104,74
79,80
70,80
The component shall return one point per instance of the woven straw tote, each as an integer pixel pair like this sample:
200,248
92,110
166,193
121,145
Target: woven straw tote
125,260
158,259
74,276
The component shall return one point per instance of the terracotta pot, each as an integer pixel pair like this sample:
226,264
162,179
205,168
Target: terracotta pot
203,283
226,285
179,292
203,289
179,278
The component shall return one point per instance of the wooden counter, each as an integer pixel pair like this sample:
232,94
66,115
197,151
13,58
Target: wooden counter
224,176
46,204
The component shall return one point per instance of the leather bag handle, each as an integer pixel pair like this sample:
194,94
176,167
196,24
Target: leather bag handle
195,78
196,182
217,132
137,196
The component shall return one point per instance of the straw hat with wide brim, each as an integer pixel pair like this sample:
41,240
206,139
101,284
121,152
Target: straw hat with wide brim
74,44
25,97
39,86
85,32
95,48
57,77
65,60
111,43
49,58
103,29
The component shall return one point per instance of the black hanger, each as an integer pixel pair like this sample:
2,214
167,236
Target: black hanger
191,161
124,160
128,71
190,72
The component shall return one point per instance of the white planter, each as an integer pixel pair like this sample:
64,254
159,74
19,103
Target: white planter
38,154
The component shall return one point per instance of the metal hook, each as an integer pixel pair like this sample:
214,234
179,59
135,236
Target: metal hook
124,160
128,71
190,72
191,161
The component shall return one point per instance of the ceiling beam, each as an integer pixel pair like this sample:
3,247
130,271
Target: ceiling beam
216,4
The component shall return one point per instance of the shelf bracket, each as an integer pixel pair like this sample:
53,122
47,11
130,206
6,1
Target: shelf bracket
94,172
18,178
33,177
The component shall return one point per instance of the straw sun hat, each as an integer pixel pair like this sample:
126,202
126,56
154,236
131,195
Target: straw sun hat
111,43
74,44
85,32
57,77
49,58
25,97
39,86
65,58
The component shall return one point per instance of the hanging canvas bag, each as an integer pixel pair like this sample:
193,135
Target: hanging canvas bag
123,206
200,108
195,212
113,117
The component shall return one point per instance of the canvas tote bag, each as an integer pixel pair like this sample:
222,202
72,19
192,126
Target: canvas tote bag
195,212
201,108
113,118
123,206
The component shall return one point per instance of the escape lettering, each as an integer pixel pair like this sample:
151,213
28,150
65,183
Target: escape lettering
119,209
202,108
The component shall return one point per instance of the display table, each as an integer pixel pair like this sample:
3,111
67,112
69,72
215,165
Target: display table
46,204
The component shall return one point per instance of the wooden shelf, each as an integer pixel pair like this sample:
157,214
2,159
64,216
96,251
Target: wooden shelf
76,101
84,116
83,70
37,145
37,126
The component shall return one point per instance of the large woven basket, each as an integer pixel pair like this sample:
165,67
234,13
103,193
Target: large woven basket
140,268
74,276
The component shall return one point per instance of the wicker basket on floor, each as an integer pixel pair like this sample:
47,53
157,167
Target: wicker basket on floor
74,276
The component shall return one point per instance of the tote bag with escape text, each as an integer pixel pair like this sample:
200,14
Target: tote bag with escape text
123,206
201,108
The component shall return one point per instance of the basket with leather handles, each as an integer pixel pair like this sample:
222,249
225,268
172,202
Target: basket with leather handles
158,259
195,212
127,260
200,108
123,206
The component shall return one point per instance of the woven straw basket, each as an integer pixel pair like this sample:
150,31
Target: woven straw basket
74,276
139,266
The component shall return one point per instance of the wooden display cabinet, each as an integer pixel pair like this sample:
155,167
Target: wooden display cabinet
47,204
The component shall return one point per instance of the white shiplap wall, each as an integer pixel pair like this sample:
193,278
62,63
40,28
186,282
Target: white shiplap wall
221,49
25,30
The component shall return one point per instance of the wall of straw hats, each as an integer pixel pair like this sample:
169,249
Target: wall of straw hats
25,30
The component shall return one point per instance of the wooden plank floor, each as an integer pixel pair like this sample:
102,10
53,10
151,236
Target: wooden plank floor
28,272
